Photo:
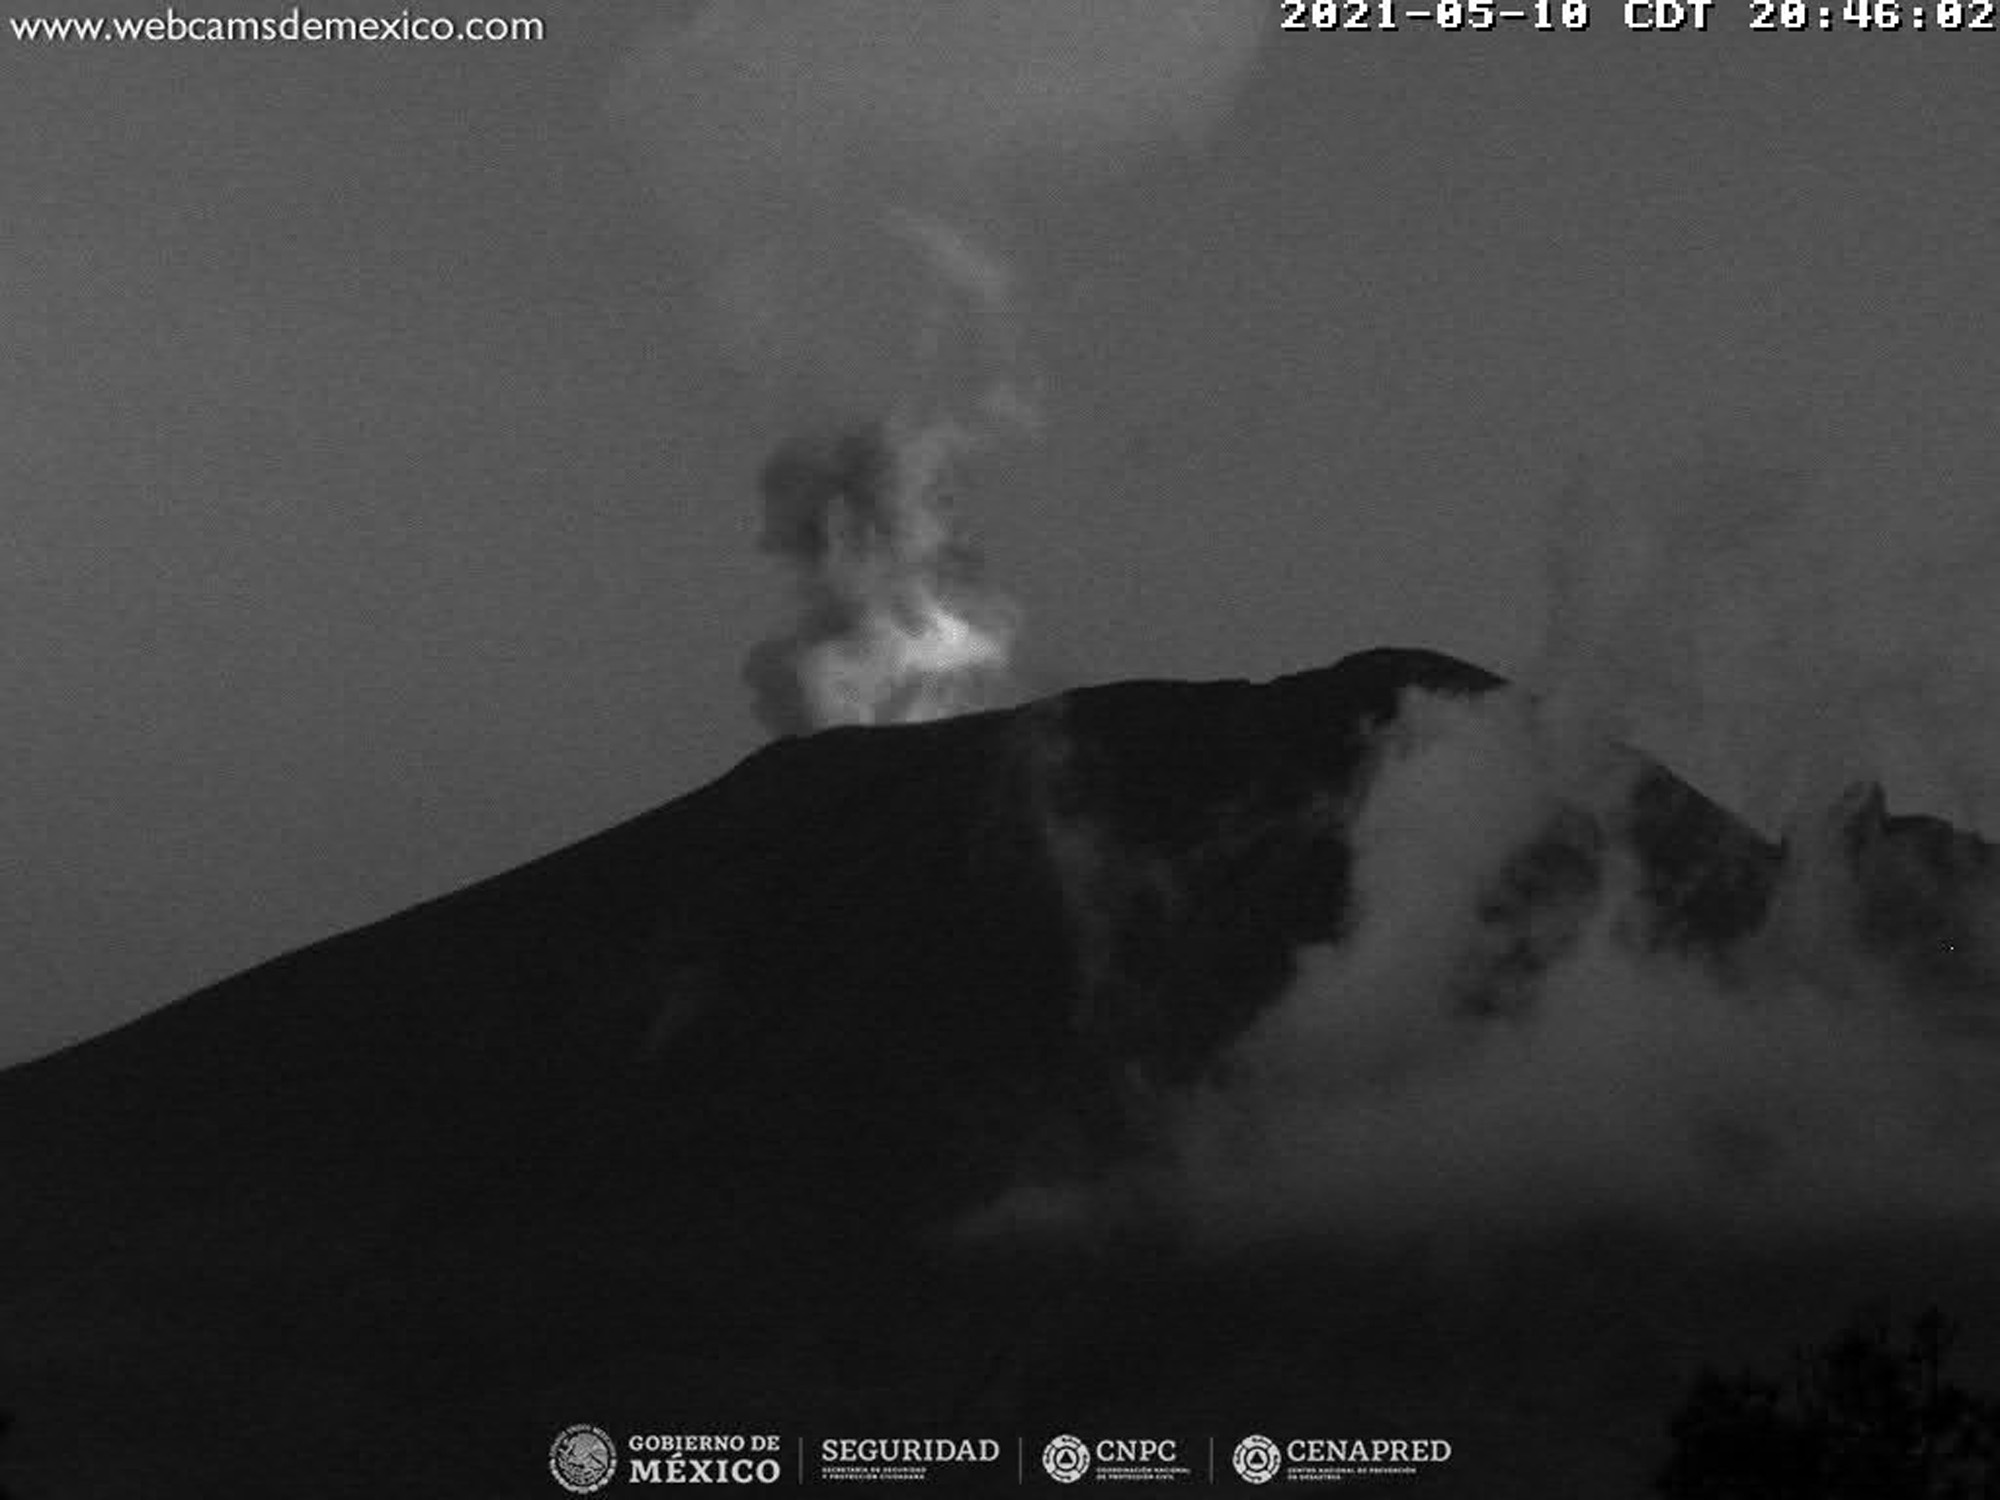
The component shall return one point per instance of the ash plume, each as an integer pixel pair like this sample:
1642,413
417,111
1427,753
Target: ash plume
837,172
894,623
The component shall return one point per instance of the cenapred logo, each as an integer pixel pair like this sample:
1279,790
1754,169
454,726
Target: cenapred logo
1257,1459
583,1458
1066,1458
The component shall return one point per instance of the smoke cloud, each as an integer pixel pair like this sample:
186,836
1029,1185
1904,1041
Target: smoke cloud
1775,632
1512,1035
839,171
793,141
1479,1049
894,624
1419,1079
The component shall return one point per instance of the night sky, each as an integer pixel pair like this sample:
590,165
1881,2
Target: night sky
379,502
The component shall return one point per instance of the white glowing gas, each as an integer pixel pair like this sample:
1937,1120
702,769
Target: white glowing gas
894,624
912,658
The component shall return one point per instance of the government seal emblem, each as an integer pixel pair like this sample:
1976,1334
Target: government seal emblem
583,1458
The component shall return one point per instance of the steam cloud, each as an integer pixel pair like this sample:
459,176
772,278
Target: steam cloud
1497,1044
894,624
1824,1072
1777,631
839,171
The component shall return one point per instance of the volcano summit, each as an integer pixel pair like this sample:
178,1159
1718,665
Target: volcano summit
1347,1052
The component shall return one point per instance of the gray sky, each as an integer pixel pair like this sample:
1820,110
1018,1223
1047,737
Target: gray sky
376,510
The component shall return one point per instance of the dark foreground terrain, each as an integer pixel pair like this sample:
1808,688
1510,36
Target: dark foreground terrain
670,1132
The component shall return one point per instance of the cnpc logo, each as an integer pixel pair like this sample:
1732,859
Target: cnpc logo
1068,1458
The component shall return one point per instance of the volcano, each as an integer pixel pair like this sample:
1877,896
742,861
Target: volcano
721,1121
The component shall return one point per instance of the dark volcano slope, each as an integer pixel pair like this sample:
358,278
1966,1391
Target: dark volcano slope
664,1131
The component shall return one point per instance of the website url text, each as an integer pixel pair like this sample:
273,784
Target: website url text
293,26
